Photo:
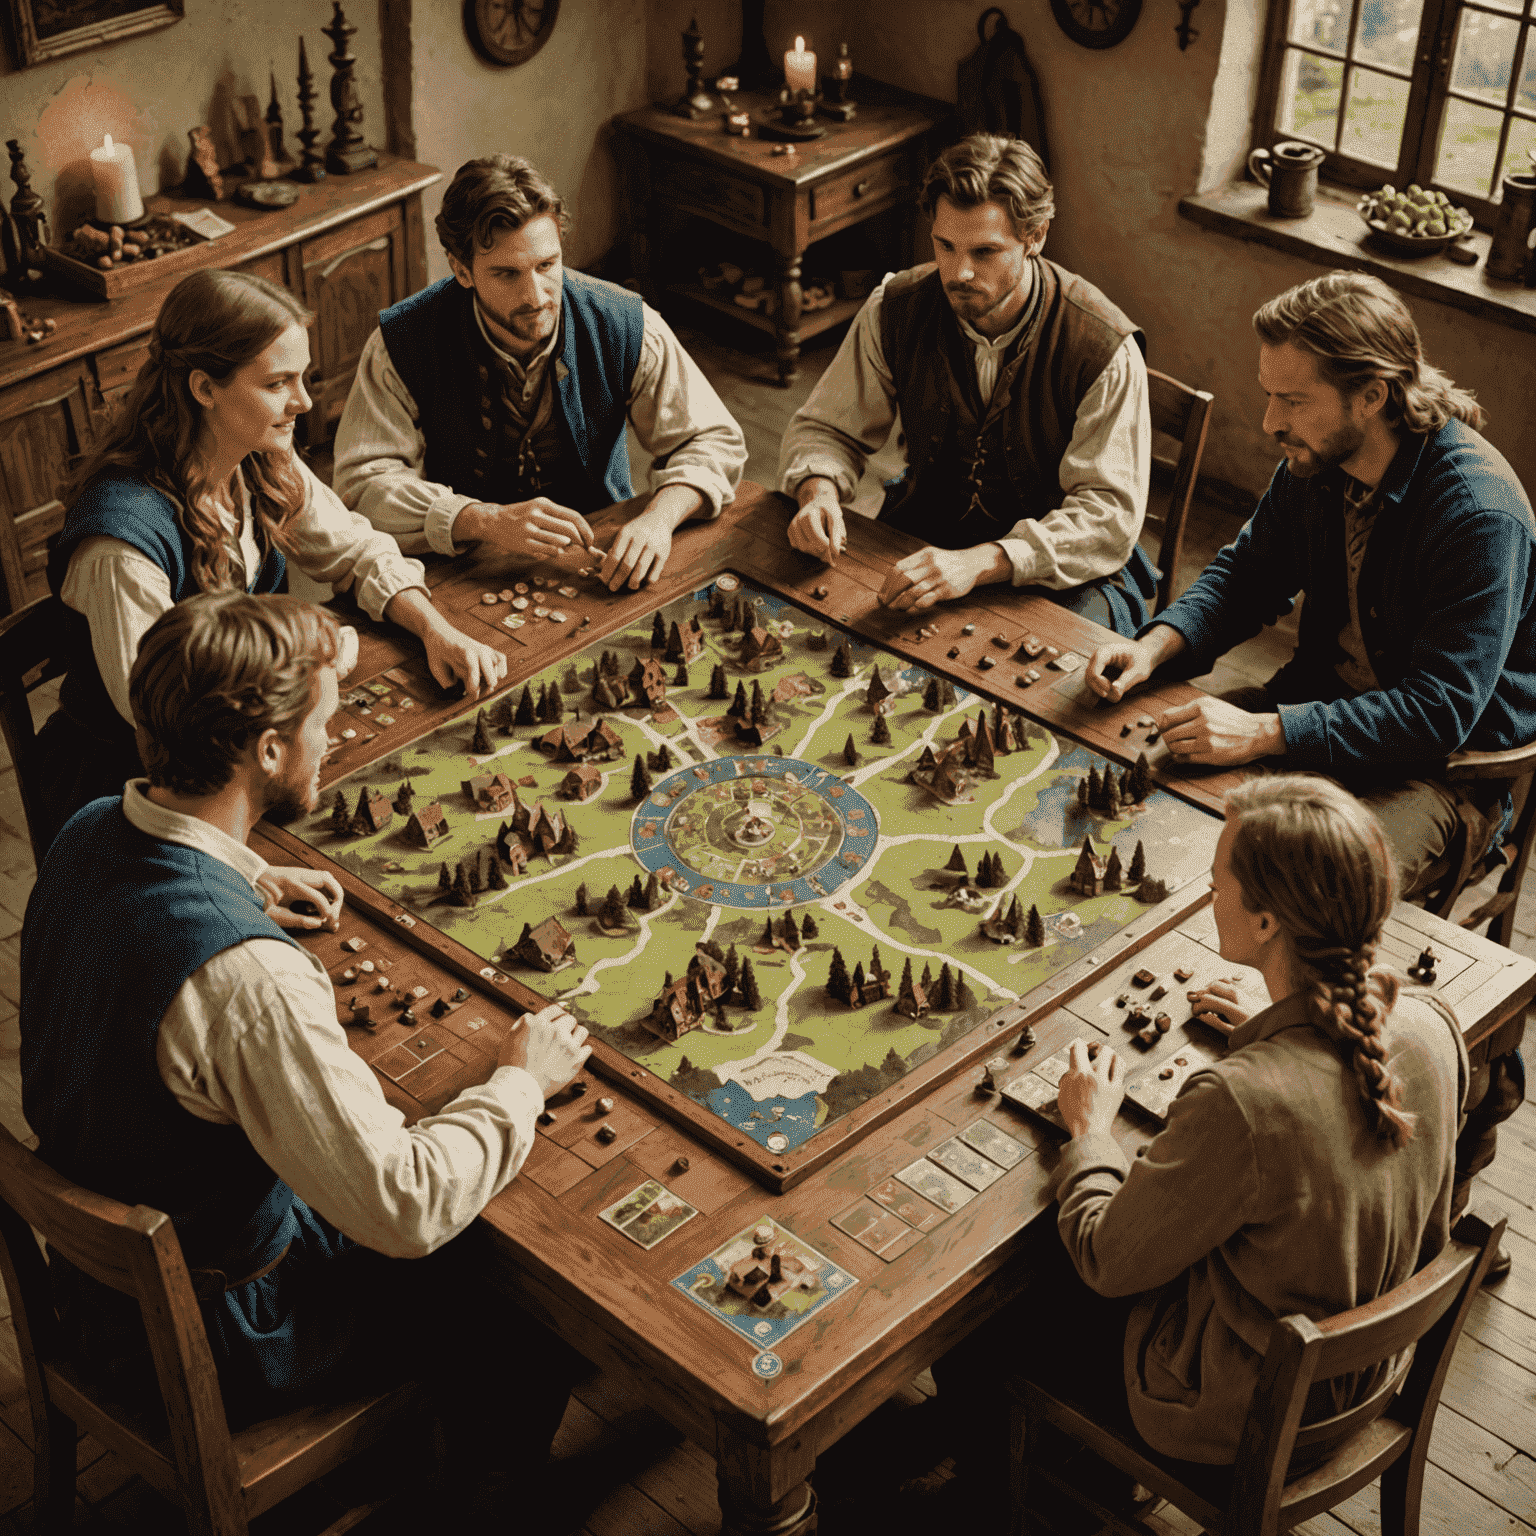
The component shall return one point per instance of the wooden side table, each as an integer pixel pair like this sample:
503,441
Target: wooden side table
860,169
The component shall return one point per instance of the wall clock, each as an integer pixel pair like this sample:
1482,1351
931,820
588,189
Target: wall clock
509,31
1096,23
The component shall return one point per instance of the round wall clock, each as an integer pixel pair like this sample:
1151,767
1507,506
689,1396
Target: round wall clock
1096,23
509,31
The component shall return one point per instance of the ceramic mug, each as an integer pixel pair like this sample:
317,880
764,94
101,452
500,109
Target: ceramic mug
1289,170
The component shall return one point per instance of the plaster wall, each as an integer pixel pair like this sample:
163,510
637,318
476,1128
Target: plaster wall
554,109
149,90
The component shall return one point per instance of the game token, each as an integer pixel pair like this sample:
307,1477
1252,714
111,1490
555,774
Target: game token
1001,640
605,1106
1157,992
567,591
555,616
778,1142
348,734
819,592
1021,681
367,967
540,613
506,594
520,586
586,570
1144,721
968,629
1183,973
547,1118
489,599
727,582
1166,1073
762,1233
350,974
513,621
354,944
408,1017
954,651
578,1089
1125,730
767,1365
607,1134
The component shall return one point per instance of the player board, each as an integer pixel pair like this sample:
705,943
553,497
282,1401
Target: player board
777,867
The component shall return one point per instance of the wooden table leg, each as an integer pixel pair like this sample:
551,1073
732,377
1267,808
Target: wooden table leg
793,1515
765,1491
787,330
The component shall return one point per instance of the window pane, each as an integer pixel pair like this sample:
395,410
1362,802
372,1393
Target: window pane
1373,121
1526,95
1324,23
1485,55
1468,143
1389,31
1309,97
1522,144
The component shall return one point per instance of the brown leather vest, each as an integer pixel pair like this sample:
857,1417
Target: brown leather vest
1009,450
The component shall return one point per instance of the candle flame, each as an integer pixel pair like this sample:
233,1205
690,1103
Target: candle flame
799,45
106,142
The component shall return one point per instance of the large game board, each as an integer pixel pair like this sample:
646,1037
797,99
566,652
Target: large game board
779,937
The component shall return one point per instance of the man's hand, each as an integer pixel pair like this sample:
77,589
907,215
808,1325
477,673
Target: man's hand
549,1045
1131,661
1220,734
937,575
1216,1005
1090,1092
536,529
819,528
285,886
639,552
455,658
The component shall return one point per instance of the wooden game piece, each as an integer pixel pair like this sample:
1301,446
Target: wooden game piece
953,652
1163,1023
1424,971
1125,730
547,1118
682,1165
968,629
312,162
762,1233
408,1017
1122,1000
350,974
1094,1047
1025,1041
1166,1073
578,1088
606,1134
819,592
986,663
1148,1036
354,944
1183,973
1157,992
367,967
1144,721
1143,978
605,1106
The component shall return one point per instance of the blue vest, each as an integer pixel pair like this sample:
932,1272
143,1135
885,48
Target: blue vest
118,920
435,343
119,505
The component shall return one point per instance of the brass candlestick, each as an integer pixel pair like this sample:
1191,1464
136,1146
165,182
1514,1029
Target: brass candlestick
835,88
27,232
312,166
347,151
695,102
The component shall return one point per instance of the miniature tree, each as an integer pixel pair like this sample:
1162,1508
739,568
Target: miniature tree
658,632
957,861
906,977
556,703
525,714
732,972
463,891
541,709
739,703
639,780
838,983
875,966
856,988
1082,794
946,692
716,608
842,661
405,797
931,695
719,687
808,929
652,892
712,949
751,998
850,752
1114,871
965,999
1141,778
1034,929
495,877
984,873
946,1003
1095,789
999,874
444,879
680,677
789,930
612,915
663,758
476,882
1138,868
1111,796
759,709
501,714
341,817
927,978
1125,787
881,735
636,897
766,942
581,899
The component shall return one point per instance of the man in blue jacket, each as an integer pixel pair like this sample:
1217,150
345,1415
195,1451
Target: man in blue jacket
490,408
1412,540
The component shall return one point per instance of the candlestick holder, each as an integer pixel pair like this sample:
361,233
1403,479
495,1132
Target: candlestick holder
347,151
280,155
835,88
794,119
695,102
312,163
27,230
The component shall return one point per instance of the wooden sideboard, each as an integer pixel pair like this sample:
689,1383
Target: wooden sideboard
348,248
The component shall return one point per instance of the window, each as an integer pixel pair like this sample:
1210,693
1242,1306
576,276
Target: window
1439,92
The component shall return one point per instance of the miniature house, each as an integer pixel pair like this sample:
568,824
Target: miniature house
548,831
760,649
546,948
581,783
685,1003
913,1002
768,1272
610,692
427,826
684,644
374,813
582,742
648,681
490,792
1087,877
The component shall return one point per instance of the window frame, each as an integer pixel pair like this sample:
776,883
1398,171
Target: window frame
1429,97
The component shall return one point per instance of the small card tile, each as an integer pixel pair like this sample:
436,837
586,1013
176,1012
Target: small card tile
949,1194
648,1213
897,1197
995,1144
1053,1068
1036,1095
909,1238
967,1165
871,1225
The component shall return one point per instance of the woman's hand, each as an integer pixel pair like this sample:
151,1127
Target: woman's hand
1216,1005
286,887
455,658
1090,1092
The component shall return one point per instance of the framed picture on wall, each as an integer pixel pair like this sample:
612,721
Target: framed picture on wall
48,29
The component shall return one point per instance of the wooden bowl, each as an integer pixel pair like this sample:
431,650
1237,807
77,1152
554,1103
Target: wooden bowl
1409,245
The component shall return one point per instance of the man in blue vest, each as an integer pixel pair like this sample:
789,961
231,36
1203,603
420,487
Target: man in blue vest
188,1057
490,407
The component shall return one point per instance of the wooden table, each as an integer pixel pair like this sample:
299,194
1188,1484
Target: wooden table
614,1300
677,167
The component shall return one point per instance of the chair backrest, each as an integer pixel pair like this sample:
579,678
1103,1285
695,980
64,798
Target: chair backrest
1425,1312
134,1250
1183,414
31,654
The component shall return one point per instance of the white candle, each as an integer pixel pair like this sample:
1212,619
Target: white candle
117,183
800,68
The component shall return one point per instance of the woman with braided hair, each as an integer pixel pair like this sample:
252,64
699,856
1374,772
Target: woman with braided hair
196,487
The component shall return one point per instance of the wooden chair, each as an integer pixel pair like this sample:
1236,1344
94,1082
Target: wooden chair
1466,864
1386,1436
1183,414
221,1480
31,654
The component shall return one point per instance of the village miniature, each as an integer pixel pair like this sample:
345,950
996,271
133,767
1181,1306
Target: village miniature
771,1269
1087,877
684,644
648,681
581,783
546,948
760,649
1025,1042
491,792
373,814
584,741
426,827
912,998
1424,971
684,1004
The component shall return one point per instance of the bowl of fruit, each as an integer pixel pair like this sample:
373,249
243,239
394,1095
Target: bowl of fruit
1415,222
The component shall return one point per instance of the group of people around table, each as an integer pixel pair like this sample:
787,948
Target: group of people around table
195,1063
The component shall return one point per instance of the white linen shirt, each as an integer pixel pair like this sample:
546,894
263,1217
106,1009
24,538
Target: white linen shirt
251,1039
1104,473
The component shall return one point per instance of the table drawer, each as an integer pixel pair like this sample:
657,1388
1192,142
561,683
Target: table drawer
710,193
120,365
869,184
351,237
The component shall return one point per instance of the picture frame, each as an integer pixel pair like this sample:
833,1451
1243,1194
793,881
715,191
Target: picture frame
52,29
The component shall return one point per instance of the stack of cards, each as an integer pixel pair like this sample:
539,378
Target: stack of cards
957,1170
648,1214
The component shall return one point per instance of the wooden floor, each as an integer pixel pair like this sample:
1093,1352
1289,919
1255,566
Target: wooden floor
622,1471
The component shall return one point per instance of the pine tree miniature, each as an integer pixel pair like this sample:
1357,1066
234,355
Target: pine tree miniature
732,972
581,900
476,881
881,735
842,661
541,709
1082,794
931,695
1016,919
556,703
712,948
362,804
501,714
1111,796
789,930
946,1003
405,798
957,861
525,714
808,929
751,998
719,687
1141,778
639,780
927,978
695,626
444,879
680,677
716,608
463,891
766,942
759,710
946,693
739,703
1095,789
838,982
635,900
857,987
876,968
652,893
999,874
1114,871
984,873
663,758
850,752
965,999
1034,929
341,817
495,879
658,632
612,915
906,977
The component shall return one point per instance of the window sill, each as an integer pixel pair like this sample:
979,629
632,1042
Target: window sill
1334,236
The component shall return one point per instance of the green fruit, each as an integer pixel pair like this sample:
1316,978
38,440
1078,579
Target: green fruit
1415,190
1436,227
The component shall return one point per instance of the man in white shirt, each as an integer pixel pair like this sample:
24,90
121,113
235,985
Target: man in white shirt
490,407
1022,394
190,1059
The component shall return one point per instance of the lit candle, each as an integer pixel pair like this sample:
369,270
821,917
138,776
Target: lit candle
800,68
117,183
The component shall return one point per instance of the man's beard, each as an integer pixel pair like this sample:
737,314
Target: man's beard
530,327
1332,451
286,801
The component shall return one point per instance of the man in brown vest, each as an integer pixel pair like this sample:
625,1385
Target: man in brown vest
1022,392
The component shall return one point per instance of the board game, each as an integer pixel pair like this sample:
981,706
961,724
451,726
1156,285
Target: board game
778,868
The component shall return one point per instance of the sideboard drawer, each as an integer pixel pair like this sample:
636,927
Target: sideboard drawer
866,186
118,366
706,191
